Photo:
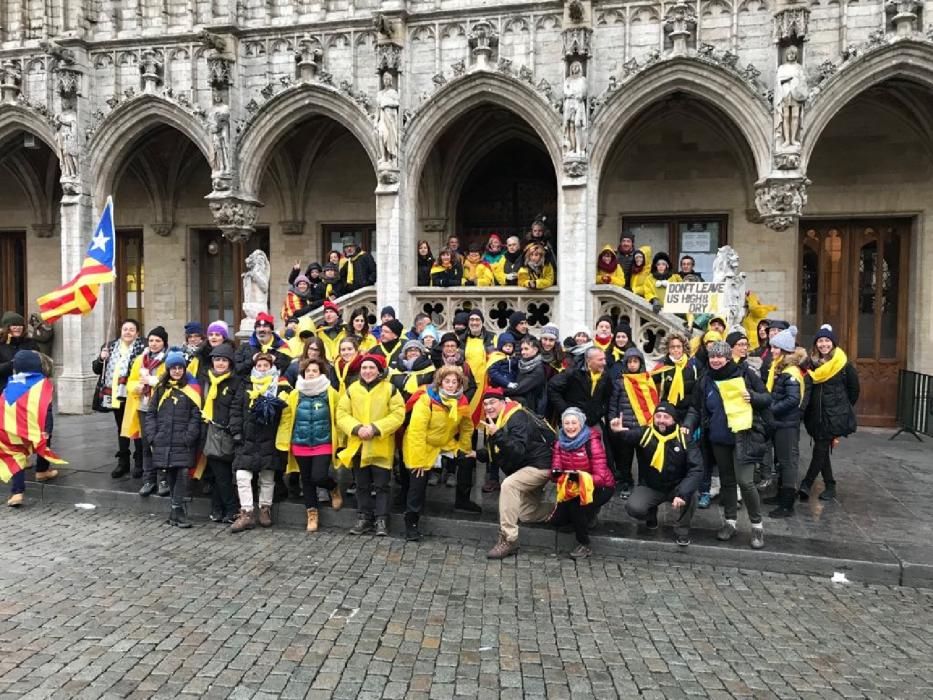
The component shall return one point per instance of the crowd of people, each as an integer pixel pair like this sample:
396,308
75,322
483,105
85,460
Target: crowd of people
343,409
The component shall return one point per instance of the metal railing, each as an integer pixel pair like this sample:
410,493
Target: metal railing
914,404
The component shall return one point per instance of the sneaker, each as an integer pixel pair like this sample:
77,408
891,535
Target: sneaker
180,518
265,516
581,551
434,478
704,501
351,490
502,549
244,521
714,487
47,475
726,532
15,501
625,491
216,516
468,507
829,493
382,527
682,540
313,522
363,527
490,486
148,488
164,491
412,533
758,538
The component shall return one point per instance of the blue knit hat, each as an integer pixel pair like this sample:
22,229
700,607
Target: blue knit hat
826,331
503,339
175,358
193,327
27,361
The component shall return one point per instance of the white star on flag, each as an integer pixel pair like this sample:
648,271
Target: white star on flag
18,378
99,241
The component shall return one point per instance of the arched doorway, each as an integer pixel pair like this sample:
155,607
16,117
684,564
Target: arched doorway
864,235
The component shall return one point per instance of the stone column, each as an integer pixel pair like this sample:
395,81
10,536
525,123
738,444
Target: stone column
81,336
575,253
395,269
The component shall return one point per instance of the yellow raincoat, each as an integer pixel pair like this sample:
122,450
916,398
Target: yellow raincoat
380,405
436,427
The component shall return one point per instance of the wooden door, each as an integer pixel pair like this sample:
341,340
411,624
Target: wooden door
131,277
854,277
221,264
13,272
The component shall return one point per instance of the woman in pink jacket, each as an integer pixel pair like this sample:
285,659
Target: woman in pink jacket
584,480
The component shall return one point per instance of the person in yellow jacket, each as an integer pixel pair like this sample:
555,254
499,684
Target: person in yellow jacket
145,373
536,273
440,424
370,412
640,271
655,285
608,269
495,258
296,334
359,326
476,272
332,331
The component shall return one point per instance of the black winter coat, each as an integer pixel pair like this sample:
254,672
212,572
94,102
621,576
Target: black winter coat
683,463
664,379
173,428
364,272
521,442
785,401
445,278
255,443
243,359
531,391
831,410
7,350
425,263
572,388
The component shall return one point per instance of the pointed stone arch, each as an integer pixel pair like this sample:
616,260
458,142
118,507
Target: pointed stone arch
907,59
15,118
283,112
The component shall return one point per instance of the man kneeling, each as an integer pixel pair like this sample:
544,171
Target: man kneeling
519,445
676,468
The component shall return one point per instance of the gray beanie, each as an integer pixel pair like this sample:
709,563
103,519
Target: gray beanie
720,348
417,344
574,411
786,340
550,332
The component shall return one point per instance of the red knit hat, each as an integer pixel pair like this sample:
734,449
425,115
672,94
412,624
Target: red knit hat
494,392
377,360
265,317
332,306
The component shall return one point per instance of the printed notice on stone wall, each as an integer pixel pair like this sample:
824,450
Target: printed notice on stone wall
693,298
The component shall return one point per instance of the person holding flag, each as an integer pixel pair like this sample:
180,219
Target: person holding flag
25,423
173,429
634,398
79,296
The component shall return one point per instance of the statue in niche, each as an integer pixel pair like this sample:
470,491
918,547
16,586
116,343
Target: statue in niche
66,138
790,94
575,117
219,121
387,120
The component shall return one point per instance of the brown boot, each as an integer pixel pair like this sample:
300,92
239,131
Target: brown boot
336,498
503,549
312,520
265,516
244,521
47,475
15,501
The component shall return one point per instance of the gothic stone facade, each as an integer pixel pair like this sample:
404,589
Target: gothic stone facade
289,116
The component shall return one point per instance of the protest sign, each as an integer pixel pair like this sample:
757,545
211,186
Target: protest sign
694,298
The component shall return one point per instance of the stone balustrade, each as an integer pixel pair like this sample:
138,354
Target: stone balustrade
496,303
648,328
365,298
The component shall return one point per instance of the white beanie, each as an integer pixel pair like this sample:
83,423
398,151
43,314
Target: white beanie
786,340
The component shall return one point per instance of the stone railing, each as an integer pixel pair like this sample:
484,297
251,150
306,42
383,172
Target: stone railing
365,297
496,303
648,328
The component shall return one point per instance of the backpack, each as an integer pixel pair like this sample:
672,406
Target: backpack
547,433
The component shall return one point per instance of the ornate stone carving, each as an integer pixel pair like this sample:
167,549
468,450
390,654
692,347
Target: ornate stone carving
234,215
575,112
781,201
575,167
150,71
11,80
577,42
484,43
163,228
68,144
504,65
218,59
219,127
576,12
726,272
790,95
791,24
387,126
459,68
680,26
309,58
388,58
434,225
255,288
903,15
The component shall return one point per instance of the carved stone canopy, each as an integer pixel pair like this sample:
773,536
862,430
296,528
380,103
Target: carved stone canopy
309,59
388,58
791,24
903,15
11,80
680,25
234,214
577,42
780,201
68,82
484,40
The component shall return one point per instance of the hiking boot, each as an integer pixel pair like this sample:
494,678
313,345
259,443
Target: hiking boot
758,538
164,491
382,527
829,493
265,516
804,491
502,549
490,486
47,475
682,539
336,498
363,527
312,520
726,532
123,465
244,521
179,518
467,506
15,501
581,551
147,489
704,501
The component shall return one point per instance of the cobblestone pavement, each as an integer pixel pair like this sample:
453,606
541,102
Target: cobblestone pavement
107,604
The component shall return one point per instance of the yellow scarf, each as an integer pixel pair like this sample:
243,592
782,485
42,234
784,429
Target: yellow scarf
772,374
582,488
797,376
188,390
594,380
260,386
215,381
657,459
350,268
677,391
829,369
642,395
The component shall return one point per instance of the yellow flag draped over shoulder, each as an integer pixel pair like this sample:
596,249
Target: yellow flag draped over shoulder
738,412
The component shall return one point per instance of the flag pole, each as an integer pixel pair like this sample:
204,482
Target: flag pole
111,322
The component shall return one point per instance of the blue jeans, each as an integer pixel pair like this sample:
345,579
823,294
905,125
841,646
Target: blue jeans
18,482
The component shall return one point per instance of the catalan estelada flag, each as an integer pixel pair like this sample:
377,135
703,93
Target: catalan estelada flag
24,406
80,294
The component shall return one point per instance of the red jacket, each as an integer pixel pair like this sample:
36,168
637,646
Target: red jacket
583,460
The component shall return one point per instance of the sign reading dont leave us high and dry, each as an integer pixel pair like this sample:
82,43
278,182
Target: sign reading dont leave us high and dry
694,297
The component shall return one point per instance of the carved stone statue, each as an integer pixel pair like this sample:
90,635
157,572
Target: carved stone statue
150,69
11,78
387,120
726,271
66,138
220,134
790,94
575,114
255,288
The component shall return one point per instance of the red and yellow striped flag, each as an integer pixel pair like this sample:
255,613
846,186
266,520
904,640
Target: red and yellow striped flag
25,404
